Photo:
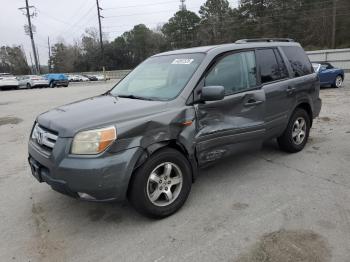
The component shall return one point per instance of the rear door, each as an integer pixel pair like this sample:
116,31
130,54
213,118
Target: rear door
235,123
278,87
305,81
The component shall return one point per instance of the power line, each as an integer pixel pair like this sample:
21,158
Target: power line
77,21
140,5
171,10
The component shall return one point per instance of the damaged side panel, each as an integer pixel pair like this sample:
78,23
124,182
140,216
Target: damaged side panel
232,125
152,132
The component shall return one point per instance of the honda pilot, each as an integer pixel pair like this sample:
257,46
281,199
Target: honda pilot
147,138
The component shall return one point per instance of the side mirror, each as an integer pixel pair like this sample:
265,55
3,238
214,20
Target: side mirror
212,93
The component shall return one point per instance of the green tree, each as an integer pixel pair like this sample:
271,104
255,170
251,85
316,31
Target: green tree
181,30
141,43
13,60
215,15
65,58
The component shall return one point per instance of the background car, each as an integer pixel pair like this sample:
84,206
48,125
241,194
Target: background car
57,80
329,75
101,77
8,81
91,77
31,81
83,78
71,78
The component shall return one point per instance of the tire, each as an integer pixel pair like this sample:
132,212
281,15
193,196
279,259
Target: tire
293,138
338,82
176,184
29,86
52,84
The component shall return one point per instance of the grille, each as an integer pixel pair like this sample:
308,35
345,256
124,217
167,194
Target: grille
44,138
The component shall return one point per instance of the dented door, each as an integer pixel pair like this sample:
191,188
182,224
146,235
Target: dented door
232,125
236,123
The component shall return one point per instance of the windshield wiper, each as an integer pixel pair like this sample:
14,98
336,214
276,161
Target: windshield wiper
135,97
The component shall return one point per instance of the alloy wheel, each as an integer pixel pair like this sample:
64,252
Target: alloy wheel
339,81
164,184
299,131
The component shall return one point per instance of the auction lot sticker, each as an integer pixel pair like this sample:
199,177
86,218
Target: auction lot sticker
182,61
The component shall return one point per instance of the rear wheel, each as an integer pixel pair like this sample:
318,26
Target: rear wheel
338,83
161,185
52,84
29,86
297,132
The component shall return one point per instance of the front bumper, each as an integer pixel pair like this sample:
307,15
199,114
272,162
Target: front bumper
101,178
61,82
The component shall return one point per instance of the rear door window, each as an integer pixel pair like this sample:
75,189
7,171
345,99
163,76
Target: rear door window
269,67
298,60
282,66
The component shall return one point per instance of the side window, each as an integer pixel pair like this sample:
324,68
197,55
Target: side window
299,61
269,67
329,66
235,72
281,65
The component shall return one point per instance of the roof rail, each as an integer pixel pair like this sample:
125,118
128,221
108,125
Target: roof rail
243,41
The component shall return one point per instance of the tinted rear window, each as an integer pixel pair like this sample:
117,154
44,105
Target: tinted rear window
299,61
269,68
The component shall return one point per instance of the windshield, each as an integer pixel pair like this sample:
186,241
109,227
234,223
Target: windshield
159,78
316,67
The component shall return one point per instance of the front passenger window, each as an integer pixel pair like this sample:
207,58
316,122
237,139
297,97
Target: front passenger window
235,72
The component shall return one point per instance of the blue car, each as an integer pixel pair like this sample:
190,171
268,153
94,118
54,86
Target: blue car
57,80
329,75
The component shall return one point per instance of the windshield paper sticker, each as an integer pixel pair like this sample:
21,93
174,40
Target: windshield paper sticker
182,61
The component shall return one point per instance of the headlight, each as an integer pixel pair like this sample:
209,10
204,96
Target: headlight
93,142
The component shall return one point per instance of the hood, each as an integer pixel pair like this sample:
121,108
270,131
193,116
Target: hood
96,112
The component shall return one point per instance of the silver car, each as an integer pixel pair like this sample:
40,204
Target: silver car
31,81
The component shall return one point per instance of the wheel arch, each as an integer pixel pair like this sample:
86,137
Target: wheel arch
153,148
307,107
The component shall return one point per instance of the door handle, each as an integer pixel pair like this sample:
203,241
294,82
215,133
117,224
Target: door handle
290,90
253,102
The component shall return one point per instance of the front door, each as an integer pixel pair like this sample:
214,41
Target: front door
236,123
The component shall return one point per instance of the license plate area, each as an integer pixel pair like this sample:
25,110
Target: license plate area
36,169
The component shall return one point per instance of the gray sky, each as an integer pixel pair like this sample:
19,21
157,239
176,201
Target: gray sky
67,19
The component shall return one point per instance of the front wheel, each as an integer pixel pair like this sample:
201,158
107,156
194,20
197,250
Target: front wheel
161,185
338,83
297,132
52,84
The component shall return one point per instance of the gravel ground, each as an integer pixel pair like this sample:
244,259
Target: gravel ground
262,206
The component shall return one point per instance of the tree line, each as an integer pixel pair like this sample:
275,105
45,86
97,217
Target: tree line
309,22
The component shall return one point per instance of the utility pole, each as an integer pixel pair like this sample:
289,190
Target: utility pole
37,52
182,5
99,16
31,63
49,47
334,23
27,7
